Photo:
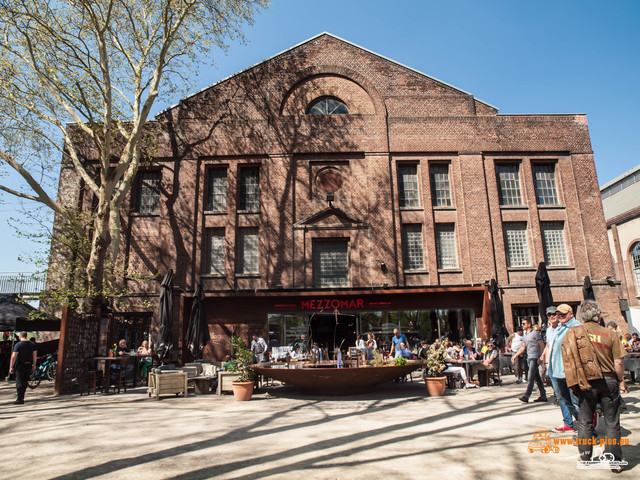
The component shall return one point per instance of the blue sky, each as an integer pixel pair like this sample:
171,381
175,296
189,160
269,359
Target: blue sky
577,56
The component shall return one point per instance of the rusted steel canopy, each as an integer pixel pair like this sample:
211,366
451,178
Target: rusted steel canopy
328,380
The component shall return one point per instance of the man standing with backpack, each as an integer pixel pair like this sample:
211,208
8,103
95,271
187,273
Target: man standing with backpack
23,362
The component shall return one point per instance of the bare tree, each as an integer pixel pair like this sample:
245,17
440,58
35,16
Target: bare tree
78,80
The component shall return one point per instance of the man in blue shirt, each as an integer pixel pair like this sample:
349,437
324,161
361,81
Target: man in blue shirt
396,340
555,367
402,351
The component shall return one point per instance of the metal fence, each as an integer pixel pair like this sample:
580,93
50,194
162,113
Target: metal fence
22,283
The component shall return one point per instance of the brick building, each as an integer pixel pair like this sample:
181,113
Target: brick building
328,192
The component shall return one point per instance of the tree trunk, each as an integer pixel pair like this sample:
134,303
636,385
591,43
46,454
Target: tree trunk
96,264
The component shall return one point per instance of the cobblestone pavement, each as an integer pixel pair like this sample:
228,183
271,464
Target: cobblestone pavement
396,431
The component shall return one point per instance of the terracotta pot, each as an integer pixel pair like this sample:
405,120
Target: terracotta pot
242,391
435,385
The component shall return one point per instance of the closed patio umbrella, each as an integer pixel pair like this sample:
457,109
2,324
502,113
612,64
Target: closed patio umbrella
587,289
198,331
543,287
164,343
498,330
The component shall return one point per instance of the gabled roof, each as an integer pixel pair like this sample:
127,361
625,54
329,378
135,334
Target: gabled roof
329,212
310,40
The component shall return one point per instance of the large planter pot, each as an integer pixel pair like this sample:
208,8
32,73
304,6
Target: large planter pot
435,385
242,391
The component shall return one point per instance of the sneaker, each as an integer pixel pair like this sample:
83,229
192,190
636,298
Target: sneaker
18,402
469,385
562,428
541,400
518,381
523,399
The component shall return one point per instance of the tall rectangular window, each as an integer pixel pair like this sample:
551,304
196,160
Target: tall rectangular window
440,187
149,191
515,239
412,247
330,264
446,245
217,192
555,249
408,186
508,184
248,251
545,179
215,249
250,189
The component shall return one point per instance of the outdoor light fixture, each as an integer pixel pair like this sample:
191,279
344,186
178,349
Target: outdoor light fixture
383,267
330,198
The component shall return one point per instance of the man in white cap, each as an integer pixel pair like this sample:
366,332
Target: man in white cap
555,367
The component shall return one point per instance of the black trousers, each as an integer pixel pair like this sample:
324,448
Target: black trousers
23,370
607,392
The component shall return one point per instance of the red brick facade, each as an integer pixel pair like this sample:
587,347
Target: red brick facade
396,116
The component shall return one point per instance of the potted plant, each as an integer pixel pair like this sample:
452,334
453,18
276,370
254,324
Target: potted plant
243,388
434,366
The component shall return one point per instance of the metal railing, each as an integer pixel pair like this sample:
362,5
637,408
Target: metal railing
22,283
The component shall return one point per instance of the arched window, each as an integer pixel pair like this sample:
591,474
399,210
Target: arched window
327,106
635,259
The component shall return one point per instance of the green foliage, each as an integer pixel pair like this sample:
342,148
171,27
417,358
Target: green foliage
377,361
434,362
400,361
244,359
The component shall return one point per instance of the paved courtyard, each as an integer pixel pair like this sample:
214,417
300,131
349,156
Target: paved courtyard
397,431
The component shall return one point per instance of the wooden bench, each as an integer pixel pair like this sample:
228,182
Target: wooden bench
224,381
167,383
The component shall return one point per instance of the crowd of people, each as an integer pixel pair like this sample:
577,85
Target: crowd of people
583,360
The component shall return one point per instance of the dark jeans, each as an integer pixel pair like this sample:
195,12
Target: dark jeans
534,376
23,370
607,392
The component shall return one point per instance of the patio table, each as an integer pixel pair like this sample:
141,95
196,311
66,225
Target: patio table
122,359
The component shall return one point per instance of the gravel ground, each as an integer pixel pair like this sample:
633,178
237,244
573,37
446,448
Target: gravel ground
396,431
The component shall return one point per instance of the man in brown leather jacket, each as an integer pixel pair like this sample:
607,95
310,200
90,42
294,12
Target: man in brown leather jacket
592,357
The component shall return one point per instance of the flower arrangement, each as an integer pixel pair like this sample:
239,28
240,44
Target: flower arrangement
434,362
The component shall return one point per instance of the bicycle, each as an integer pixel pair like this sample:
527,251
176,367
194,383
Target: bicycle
45,371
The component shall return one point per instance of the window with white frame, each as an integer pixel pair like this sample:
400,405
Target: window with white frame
149,191
635,257
249,200
446,246
217,194
553,241
327,106
545,181
517,245
509,184
412,247
330,263
248,258
408,185
440,186
215,249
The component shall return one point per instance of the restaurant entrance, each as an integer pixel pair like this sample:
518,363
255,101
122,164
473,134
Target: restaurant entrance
333,330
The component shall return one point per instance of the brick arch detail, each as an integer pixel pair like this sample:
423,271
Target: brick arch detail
331,80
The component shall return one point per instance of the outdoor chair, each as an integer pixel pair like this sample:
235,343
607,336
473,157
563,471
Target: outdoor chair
117,378
91,378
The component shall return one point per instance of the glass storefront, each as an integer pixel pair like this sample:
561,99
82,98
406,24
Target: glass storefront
417,325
